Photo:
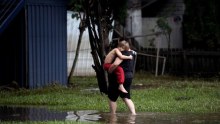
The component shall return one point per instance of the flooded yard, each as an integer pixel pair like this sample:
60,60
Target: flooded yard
8,113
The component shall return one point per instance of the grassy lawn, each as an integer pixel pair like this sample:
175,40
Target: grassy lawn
149,93
46,122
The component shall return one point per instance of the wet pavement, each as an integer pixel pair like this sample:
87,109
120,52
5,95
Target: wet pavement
8,113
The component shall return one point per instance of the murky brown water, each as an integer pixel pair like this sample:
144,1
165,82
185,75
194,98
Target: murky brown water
43,114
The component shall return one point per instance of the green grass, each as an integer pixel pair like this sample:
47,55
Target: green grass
56,97
45,122
178,100
149,93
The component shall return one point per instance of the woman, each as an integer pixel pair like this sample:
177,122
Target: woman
113,92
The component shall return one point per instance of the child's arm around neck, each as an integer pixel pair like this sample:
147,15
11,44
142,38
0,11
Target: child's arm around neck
119,54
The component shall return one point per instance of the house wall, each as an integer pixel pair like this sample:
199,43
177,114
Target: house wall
33,46
149,27
85,60
12,52
173,8
134,24
46,42
142,28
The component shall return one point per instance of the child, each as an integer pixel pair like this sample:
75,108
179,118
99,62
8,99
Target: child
116,52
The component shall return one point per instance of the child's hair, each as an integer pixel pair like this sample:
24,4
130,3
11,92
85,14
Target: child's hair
127,46
123,43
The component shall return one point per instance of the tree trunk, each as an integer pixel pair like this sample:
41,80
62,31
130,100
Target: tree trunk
82,29
97,45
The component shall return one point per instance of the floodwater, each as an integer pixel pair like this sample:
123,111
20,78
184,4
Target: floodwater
9,113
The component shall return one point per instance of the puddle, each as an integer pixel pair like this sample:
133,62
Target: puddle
163,118
8,113
29,114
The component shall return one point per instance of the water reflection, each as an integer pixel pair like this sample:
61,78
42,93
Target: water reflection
86,115
161,118
29,114
120,118
43,114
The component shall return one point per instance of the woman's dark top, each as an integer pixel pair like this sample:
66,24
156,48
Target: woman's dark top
128,67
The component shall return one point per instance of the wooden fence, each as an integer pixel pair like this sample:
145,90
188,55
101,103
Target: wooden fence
180,62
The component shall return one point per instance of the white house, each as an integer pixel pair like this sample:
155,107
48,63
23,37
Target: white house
142,18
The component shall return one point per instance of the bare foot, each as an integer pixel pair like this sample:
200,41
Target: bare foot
122,89
133,114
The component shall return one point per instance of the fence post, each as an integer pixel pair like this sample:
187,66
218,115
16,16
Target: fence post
185,62
157,60
164,63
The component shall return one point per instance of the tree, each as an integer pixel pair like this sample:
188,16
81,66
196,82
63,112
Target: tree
99,17
201,24
82,26
165,28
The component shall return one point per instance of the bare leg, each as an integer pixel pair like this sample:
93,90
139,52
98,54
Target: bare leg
112,107
130,105
113,119
122,89
131,119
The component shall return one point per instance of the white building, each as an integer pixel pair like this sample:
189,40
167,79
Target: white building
142,18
